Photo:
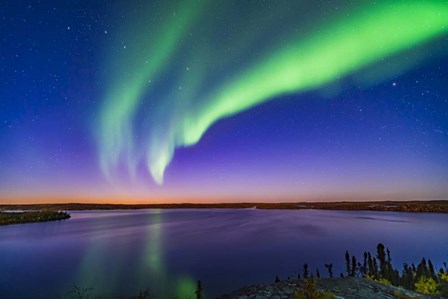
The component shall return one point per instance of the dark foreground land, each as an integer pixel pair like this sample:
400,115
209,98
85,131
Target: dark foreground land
31,216
347,288
440,206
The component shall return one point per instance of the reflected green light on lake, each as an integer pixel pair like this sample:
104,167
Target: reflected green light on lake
118,253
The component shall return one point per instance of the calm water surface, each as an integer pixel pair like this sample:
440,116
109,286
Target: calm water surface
120,252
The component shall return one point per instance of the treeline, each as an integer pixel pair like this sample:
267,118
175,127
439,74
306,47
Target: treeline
440,206
423,277
88,206
32,216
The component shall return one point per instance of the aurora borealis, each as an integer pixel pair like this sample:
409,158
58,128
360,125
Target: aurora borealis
161,99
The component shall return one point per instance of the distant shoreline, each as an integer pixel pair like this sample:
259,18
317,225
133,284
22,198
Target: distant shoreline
31,216
436,206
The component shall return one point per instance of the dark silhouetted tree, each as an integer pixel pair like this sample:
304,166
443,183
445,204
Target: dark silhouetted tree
364,265
353,268
375,269
407,277
199,290
422,269
347,263
359,269
79,292
305,271
330,269
395,277
431,270
371,271
277,279
381,256
317,273
144,294
423,278
392,274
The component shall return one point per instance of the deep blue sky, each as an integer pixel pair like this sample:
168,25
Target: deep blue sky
355,139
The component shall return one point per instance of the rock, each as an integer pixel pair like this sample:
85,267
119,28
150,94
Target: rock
342,288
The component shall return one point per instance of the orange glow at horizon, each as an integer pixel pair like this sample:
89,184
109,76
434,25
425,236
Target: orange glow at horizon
203,199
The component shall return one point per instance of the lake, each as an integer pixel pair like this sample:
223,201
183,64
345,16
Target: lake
120,252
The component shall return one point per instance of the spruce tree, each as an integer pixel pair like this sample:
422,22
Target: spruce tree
199,290
405,277
364,265
305,271
353,268
347,263
375,269
381,256
422,269
431,270
330,269
370,263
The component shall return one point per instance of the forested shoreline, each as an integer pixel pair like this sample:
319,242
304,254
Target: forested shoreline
435,206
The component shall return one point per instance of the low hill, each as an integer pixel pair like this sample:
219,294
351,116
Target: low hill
341,288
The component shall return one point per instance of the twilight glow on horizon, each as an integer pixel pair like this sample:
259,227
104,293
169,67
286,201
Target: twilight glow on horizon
254,100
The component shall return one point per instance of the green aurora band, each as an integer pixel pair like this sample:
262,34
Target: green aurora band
180,116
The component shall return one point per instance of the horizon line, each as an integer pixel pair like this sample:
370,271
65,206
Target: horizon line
216,203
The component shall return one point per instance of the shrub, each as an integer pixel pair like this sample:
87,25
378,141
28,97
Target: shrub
426,285
401,295
310,291
80,293
442,287
384,281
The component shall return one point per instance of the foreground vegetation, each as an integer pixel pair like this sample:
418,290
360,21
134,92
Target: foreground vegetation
31,216
85,293
423,278
439,206
369,276
310,291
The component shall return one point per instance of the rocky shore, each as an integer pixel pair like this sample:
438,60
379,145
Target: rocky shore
342,288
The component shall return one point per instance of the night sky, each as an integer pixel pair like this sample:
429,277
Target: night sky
223,100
